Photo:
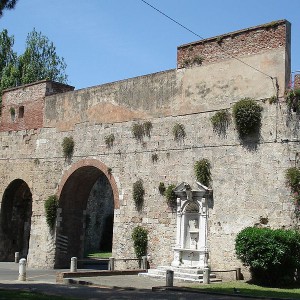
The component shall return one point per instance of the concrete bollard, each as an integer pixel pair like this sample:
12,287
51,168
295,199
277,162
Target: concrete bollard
144,263
73,267
169,277
17,257
22,269
111,264
206,276
238,274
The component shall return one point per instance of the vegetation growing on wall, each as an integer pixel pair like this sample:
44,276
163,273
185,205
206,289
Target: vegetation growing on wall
202,171
220,121
170,196
140,240
247,116
51,205
138,194
272,255
162,188
154,157
147,128
68,147
109,140
292,176
178,132
292,98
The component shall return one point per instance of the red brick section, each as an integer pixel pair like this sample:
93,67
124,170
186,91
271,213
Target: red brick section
239,43
29,99
93,163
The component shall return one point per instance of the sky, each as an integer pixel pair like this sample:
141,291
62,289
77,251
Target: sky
109,40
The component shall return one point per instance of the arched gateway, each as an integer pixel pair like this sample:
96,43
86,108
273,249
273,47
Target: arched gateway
87,197
15,220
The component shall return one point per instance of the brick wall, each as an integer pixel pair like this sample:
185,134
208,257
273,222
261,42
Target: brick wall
239,43
22,107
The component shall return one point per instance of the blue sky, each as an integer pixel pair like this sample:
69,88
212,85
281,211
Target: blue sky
109,40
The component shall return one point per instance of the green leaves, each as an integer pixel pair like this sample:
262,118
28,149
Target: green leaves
202,171
170,196
138,194
140,240
272,255
247,116
51,205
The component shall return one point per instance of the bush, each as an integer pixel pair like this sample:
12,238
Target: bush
272,255
202,171
140,240
138,194
162,188
178,132
68,147
51,205
171,196
220,121
292,176
247,116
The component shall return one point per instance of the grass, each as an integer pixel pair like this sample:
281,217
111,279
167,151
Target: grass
99,255
22,295
247,289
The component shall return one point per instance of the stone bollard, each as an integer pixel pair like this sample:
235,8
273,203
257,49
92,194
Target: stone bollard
22,269
144,263
73,267
17,257
169,277
238,274
206,275
111,264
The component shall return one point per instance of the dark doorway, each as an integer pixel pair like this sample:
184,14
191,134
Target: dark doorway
86,211
15,220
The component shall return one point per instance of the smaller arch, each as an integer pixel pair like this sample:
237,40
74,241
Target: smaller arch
91,163
191,207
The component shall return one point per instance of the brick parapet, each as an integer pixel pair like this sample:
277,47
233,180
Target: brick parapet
240,43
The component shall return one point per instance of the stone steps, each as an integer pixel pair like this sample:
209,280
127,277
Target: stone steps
180,274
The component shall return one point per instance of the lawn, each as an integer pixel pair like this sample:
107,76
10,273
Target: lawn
22,295
99,255
243,288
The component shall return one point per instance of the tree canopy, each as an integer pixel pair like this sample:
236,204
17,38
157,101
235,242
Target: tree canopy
7,4
39,61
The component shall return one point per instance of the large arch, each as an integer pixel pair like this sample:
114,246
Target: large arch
15,220
86,184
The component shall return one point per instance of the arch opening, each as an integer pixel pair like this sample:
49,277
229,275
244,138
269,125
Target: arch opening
86,213
15,220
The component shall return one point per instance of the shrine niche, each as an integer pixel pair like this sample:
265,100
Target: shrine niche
191,249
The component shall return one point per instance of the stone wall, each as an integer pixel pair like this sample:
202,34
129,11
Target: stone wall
248,177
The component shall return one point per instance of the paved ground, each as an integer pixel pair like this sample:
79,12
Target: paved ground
105,287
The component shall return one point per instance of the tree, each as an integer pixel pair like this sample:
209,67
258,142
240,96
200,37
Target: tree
39,61
7,4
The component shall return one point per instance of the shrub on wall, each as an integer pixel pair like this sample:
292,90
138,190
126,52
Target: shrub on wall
220,121
170,196
202,171
109,140
292,98
68,147
140,240
247,116
292,176
138,194
147,128
178,132
51,205
137,131
272,255
162,188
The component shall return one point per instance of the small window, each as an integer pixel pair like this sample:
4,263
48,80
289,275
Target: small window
21,112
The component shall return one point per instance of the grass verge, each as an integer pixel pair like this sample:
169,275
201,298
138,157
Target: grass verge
243,288
99,255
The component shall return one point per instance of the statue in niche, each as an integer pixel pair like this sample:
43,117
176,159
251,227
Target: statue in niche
193,224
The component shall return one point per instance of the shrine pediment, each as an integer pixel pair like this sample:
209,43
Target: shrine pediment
185,191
